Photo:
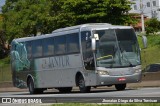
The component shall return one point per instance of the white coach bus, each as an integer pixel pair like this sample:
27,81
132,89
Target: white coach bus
88,55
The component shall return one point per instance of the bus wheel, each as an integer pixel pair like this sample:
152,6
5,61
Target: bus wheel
31,86
33,90
82,87
120,87
65,89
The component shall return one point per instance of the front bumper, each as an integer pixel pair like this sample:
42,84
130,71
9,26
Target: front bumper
104,80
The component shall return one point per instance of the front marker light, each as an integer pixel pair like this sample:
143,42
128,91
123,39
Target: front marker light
103,72
138,70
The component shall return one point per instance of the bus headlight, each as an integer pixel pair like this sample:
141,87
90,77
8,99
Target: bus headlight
100,72
138,70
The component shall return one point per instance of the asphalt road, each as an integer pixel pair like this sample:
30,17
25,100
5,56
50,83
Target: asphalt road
96,95
100,92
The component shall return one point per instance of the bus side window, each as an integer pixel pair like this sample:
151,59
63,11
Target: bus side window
29,49
37,48
48,46
72,43
60,45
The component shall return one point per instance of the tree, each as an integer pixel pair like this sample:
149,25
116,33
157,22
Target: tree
29,17
152,25
90,11
4,49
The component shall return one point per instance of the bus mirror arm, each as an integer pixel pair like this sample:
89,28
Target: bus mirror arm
94,44
144,40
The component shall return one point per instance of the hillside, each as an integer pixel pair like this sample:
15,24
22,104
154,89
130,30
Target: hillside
152,53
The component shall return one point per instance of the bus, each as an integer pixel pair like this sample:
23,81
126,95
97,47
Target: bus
84,56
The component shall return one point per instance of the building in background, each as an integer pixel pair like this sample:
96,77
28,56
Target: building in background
138,26
150,8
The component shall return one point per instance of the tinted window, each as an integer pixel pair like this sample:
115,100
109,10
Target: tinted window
148,4
127,39
125,35
153,68
135,7
37,48
48,46
72,43
154,3
29,49
60,42
87,51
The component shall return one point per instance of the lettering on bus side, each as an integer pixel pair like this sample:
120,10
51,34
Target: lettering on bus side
53,62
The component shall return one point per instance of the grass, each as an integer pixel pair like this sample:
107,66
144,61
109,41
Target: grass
83,104
5,61
5,74
152,53
5,70
152,40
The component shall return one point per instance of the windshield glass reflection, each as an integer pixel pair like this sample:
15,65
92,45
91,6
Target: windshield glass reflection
117,48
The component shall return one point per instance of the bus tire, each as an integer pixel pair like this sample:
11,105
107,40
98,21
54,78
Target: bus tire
39,91
33,90
120,87
65,89
81,84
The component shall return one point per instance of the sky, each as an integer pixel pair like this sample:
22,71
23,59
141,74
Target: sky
2,2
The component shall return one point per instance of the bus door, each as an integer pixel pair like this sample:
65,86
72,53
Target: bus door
88,59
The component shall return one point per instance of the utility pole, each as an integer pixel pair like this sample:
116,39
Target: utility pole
151,9
142,16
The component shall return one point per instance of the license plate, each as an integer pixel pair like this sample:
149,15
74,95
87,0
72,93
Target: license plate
121,79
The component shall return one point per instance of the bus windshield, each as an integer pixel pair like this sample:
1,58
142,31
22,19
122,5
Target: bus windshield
117,48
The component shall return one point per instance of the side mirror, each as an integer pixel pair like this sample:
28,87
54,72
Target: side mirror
94,38
93,44
144,40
